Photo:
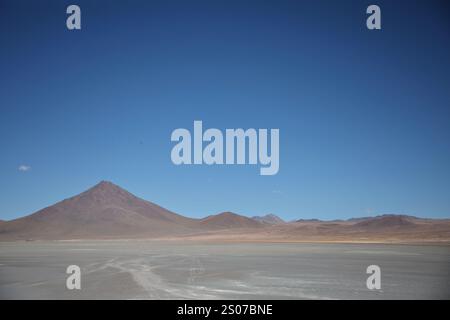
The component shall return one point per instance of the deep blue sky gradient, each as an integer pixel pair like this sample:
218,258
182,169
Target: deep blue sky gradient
363,115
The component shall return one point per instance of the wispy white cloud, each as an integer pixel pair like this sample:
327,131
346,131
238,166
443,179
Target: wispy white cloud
24,168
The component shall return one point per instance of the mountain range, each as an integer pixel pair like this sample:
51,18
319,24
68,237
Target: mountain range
107,211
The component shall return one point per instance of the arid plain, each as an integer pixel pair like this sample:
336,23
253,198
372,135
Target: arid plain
150,269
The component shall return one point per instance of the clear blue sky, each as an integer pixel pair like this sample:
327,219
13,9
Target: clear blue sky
364,116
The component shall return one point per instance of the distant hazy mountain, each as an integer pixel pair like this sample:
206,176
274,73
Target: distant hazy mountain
308,220
269,218
381,220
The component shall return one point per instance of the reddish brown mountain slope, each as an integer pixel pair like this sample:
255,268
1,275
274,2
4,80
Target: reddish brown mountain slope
103,211
227,220
386,222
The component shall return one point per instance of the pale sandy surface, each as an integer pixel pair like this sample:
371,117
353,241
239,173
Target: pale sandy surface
143,269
